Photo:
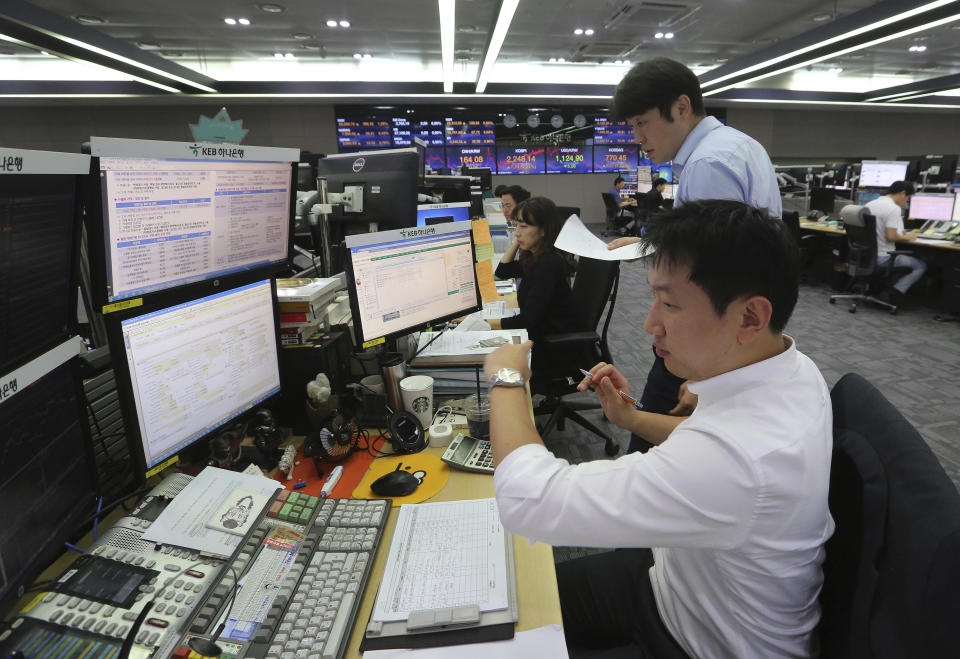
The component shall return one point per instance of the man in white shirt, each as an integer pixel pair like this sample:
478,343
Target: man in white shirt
733,499
888,211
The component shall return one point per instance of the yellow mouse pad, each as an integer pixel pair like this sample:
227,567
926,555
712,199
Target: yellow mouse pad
430,470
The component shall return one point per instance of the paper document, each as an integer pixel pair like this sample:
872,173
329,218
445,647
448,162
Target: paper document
488,288
577,239
933,241
445,554
468,343
546,641
498,309
183,522
473,323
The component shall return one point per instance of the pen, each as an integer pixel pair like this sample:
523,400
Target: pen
623,394
331,481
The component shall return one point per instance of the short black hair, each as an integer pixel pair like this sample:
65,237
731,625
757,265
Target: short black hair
518,193
901,186
655,83
619,179
543,213
659,181
497,191
733,250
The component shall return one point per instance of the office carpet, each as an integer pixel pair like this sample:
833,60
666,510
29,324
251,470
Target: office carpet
912,359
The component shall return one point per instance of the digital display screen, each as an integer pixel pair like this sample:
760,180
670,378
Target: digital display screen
931,207
103,580
615,158
361,134
404,130
471,156
470,132
663,171
612,132
520,160
436,157
569,160
881,173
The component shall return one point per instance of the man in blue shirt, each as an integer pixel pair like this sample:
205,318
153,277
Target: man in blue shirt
662,101
622,202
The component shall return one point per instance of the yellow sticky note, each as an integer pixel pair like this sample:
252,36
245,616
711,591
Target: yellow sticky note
481,232
484,252
488,287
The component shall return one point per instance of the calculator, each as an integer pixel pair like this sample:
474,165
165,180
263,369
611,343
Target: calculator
469,453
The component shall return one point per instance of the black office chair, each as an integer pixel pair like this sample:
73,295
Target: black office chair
892,574
618,219
594,290
862,266
805,244
567,211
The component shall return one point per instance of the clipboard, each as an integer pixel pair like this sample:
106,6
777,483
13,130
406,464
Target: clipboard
452,626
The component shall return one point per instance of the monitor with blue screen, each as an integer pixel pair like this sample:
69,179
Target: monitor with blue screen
428,214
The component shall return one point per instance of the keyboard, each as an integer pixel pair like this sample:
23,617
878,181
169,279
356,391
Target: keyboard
303,571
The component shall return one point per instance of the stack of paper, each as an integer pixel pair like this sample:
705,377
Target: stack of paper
463,348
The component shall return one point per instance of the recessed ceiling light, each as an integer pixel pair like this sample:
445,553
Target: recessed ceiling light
917,49
272,8
820,18
553,60
331,23
721,60
344,23
466,28
303,36
230,21
288,56
578,31
243,21
357,56
367,56
45,53
588,31
836,69
148,44
668,35
658,35
278,55
561,60
89,19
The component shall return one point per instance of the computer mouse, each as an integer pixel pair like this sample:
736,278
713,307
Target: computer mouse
397,483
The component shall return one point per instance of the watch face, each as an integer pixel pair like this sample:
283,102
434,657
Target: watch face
509,120
556,121
579,121
533,121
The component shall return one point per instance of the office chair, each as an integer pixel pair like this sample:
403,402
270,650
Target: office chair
805,244
567,211
618,219
594,289
891,574
862,267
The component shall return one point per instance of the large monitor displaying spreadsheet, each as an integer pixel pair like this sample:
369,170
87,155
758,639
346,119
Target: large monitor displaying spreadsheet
407,279
881,173
177,214
185,371
930,206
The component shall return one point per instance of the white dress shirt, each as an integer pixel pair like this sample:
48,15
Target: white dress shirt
719,162
888,215
734,504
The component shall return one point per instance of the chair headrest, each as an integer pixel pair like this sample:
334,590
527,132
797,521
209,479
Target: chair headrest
851,214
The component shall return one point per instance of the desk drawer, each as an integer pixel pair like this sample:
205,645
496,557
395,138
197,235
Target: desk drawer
951,272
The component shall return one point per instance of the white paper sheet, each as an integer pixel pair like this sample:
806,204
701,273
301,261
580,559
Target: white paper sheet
546,641
578,239
182,522
444,554
468,342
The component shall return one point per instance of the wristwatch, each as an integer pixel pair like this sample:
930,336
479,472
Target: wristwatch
507,377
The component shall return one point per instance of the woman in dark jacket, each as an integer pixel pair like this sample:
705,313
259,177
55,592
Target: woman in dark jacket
543,294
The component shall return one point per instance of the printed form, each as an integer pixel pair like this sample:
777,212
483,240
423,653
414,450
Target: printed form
444,554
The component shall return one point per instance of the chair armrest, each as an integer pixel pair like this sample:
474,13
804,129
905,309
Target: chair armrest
571,338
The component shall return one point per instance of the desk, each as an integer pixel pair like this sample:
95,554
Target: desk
945,256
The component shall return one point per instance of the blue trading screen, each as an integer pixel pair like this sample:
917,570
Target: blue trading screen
569,160
663,171
361,134
612,132
520,160
404,130
436,157
615,158
470,132
471,156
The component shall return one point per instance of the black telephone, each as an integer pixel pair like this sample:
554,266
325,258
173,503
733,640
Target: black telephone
815,215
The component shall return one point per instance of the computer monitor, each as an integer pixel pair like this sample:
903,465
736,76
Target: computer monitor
48,484
387,185
39,238
408,279
306,180
429,214
956,207
447,189
821,199
939,168
174,215
186,371
663,171
669,190
881,173
929,206
485,174
866,196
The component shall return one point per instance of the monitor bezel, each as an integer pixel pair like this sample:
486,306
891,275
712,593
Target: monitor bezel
396,234
937,195
124,382
904,163
96,234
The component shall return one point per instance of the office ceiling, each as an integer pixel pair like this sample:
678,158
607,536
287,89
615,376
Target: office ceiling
392,50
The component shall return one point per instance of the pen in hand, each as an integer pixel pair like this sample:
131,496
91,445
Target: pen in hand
623,394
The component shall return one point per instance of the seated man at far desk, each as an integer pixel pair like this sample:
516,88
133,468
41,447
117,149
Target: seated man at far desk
732,499
653,198
622,202
887,208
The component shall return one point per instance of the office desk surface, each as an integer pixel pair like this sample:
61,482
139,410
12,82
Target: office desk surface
536,578
838,231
